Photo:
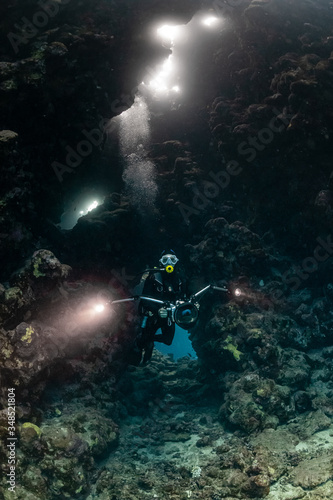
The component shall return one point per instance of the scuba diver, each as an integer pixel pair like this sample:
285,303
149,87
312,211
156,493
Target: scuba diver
167,284
163,303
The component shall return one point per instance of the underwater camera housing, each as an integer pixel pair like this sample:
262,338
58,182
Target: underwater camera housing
186,315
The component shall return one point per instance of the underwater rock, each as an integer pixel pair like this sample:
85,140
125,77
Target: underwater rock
34,481
13,299
8,139
303,88
233,245
253,403
257,12
323,71
64,455
32,349
171,149
287,61
278,441
248,470
294,371
42,275
45,264
324,202
313,472
30,442
67,475
56,49
27,352
62,440
302,401
307,424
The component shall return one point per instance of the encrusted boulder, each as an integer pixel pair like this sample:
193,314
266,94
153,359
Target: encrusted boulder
253,403
45,264
27,352
8,139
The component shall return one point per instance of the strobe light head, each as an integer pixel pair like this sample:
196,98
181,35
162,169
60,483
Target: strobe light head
209,21
99,308
237,292
186,315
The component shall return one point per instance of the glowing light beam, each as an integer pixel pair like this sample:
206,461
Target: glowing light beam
93,205
167,32
209,21
99,308
89,208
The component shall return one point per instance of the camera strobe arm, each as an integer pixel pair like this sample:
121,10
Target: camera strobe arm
209,287
137,297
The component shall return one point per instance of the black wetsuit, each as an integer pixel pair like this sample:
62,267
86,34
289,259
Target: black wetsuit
166,287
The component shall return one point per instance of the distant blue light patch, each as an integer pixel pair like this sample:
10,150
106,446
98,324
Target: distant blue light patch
181,345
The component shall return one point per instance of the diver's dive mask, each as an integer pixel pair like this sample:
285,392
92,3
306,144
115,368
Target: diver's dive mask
169,261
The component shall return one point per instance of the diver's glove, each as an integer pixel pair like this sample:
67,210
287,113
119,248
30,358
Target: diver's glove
163,313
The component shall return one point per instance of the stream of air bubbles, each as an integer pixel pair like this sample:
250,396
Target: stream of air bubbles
139,172
162,84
